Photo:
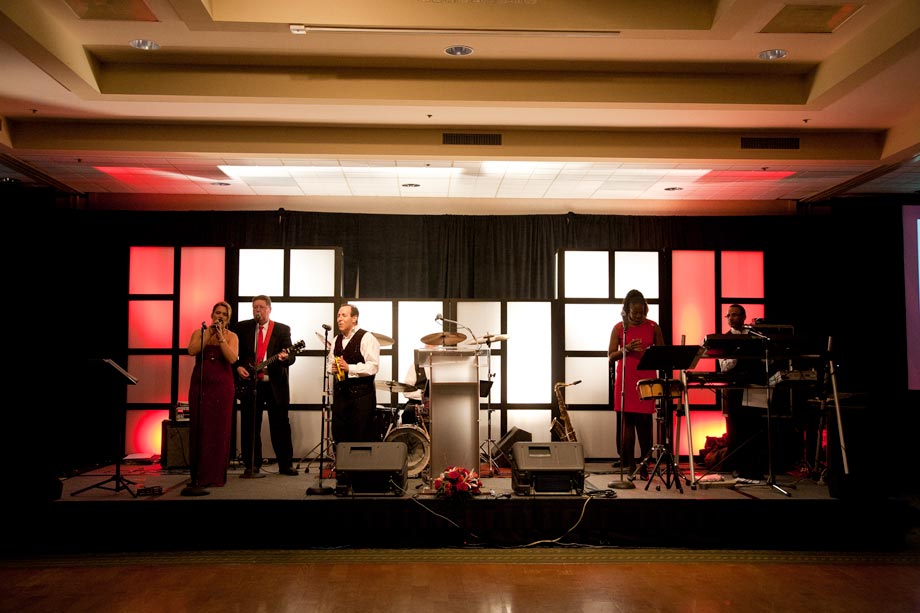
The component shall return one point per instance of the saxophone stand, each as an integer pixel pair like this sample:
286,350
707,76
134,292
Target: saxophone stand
325,441
666,359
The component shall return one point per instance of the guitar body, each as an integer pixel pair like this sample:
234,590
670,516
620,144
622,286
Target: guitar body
247,386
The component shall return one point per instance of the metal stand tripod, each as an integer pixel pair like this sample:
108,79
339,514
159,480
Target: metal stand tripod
325,432
486,447
771,474
114,371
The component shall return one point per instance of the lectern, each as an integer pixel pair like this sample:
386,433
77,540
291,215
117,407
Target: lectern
454,412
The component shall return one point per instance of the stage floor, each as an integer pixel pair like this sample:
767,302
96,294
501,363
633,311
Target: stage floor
142,507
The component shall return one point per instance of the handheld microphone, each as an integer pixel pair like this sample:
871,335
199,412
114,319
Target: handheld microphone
327,327
257,317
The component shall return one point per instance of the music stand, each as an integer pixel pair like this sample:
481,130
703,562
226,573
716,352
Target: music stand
115,374
665,359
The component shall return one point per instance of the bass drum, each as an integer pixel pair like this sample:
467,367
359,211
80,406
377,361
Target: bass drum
417,446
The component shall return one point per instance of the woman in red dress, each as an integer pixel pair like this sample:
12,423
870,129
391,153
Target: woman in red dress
628,341
210,397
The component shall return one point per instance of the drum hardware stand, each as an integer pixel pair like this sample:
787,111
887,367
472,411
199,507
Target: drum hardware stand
669,474
324,431
823,418
666,359
120,483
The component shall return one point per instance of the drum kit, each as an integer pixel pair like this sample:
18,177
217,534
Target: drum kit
415,437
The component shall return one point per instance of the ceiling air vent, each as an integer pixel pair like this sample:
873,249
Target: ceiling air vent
765,142
470,139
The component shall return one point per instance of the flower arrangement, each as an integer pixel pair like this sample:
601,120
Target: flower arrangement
457,481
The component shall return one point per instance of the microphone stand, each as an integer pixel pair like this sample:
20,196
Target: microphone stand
254,471
319,488
193,489
621,484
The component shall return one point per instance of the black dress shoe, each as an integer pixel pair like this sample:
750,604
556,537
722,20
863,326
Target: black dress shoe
290,471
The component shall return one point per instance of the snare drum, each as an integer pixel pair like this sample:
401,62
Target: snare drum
417,446
650,389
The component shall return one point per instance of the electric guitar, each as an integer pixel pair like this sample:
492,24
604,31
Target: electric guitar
245,385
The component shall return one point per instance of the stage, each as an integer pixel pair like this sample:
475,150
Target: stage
142,508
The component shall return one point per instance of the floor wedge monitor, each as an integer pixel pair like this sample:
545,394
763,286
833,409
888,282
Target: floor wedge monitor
371,468
547,468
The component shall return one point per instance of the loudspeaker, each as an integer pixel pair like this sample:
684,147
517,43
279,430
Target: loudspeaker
174,448
501,451
554,467
371,468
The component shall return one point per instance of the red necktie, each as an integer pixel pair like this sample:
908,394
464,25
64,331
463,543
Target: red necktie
260,349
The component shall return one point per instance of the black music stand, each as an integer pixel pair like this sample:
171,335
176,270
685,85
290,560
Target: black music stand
116,375
665,359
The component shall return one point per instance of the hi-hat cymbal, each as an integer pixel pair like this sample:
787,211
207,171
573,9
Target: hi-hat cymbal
443,338
383,339
395,386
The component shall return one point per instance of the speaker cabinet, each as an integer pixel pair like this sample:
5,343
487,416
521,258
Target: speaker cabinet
371,468
174,447
501,451
547,468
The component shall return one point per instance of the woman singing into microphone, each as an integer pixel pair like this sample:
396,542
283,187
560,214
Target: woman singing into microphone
210,397
628,341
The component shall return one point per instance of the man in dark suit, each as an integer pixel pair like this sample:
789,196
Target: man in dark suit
263,340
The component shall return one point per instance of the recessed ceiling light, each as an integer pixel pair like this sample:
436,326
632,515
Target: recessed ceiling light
144,44
772,54
458,50
220,183
411,185
673,189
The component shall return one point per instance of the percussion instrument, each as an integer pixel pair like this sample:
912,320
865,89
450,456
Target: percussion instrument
383,339
395,387
417,445
650,389
448,339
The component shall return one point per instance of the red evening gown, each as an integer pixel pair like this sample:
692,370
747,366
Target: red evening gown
210,433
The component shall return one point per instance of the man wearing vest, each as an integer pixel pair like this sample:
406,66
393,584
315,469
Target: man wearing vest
353,360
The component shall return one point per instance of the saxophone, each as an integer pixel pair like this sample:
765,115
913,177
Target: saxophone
562,425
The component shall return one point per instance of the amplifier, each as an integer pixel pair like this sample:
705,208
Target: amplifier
174,447
547,468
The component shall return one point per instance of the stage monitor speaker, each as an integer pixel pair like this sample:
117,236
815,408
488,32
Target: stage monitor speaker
174,447
371,468
501,451
547,468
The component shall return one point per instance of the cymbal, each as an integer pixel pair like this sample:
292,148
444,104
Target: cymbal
395,386
443,338
383,339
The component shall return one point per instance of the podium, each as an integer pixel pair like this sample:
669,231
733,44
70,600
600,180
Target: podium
454,409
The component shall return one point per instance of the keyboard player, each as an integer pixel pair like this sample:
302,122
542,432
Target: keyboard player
742,408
